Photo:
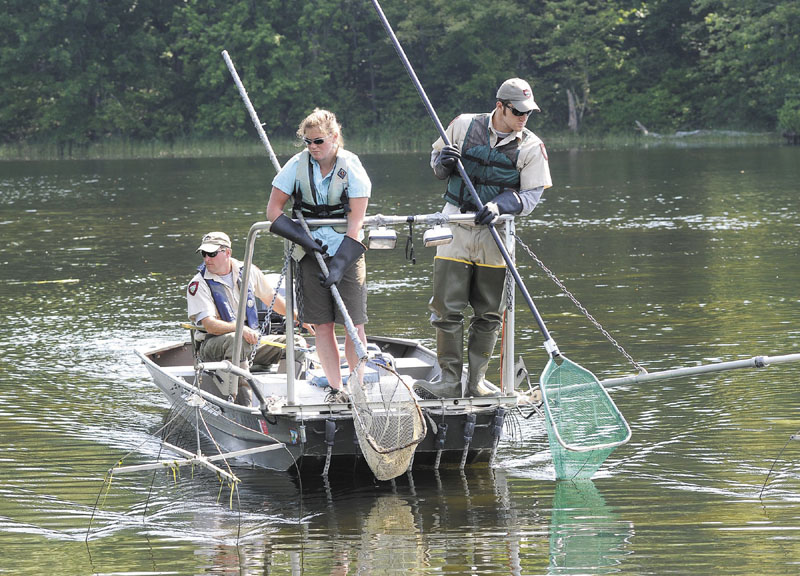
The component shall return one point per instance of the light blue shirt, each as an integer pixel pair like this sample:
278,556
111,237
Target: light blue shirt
359,186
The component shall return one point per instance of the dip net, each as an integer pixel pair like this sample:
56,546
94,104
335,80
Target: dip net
387,418
583,424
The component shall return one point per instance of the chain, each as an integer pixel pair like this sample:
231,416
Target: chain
298,300
265,326
509,288
580,306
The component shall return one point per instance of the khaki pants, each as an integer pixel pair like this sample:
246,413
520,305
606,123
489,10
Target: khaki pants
218,348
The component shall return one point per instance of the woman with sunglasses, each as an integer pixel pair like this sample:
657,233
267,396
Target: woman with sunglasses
326,181
507,163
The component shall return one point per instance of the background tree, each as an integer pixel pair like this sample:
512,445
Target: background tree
79,71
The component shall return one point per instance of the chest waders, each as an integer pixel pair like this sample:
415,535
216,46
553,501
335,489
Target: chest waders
459,281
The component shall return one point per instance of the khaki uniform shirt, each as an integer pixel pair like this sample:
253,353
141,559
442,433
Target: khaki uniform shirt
200,302
532,162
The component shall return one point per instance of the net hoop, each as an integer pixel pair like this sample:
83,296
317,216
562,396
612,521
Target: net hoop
387,418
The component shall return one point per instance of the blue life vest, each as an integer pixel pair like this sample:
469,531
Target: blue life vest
491,170
224,308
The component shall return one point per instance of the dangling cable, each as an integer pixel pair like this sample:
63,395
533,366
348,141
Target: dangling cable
410,241
792,437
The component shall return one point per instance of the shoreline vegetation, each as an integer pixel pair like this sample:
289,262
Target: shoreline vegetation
121,149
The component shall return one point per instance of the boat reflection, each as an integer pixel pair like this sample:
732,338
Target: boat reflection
478,521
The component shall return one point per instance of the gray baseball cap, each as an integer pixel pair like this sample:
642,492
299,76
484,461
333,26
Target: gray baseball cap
213,241
518,93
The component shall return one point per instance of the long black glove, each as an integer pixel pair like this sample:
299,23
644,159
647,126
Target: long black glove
291,230
349,251
507,202
449,156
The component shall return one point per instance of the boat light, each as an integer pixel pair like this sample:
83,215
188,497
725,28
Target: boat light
382,238
436,236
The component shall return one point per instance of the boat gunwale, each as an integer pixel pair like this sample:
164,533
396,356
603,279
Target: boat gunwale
306,411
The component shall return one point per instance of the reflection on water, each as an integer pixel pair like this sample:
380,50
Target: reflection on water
585,536
685,256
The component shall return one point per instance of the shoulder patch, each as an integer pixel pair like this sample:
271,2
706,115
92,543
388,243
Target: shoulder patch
193,288
544,151
342,173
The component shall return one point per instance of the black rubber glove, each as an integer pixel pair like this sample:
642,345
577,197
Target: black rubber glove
449,156
291,230
505,203
349,251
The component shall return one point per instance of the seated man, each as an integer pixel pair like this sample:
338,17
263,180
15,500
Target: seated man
213,300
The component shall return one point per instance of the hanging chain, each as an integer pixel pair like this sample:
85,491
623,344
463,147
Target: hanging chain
266,325
509,288
410,243
580,306
298,299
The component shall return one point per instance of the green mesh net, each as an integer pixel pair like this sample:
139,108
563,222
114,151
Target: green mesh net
583,424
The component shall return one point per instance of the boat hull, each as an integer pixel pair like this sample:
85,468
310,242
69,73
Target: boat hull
312,437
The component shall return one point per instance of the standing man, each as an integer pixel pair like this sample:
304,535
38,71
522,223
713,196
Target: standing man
212,299
507,163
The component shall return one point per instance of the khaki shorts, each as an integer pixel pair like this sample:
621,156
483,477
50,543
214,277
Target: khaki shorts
319,307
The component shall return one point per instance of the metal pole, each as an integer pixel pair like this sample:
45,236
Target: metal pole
755,362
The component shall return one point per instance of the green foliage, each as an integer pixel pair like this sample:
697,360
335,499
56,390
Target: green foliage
80,72
789,116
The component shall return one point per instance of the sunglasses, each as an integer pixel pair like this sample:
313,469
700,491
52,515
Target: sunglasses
317,141
210,254
514,111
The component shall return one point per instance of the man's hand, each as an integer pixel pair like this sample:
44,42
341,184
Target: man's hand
449,156
506,203
251,336
488,214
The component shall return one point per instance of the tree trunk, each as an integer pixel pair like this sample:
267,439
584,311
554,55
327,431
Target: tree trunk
572,102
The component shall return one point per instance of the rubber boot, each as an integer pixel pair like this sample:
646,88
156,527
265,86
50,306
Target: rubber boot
449,353
451,281
487,296
479,351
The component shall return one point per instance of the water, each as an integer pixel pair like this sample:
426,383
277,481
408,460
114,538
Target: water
686,256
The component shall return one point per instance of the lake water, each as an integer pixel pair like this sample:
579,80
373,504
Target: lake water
686,256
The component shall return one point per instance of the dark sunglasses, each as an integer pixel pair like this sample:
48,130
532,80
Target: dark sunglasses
317,141
514,111
210,254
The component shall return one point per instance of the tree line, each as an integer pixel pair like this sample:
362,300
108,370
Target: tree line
79,71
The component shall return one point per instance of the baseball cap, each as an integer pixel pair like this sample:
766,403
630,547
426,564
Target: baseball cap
213,241
518,93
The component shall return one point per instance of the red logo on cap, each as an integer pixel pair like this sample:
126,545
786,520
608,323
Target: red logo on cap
526,93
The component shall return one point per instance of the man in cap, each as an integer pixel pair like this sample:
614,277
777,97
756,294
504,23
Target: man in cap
507,163
212,298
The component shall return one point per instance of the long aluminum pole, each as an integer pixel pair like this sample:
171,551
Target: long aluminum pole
755,362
